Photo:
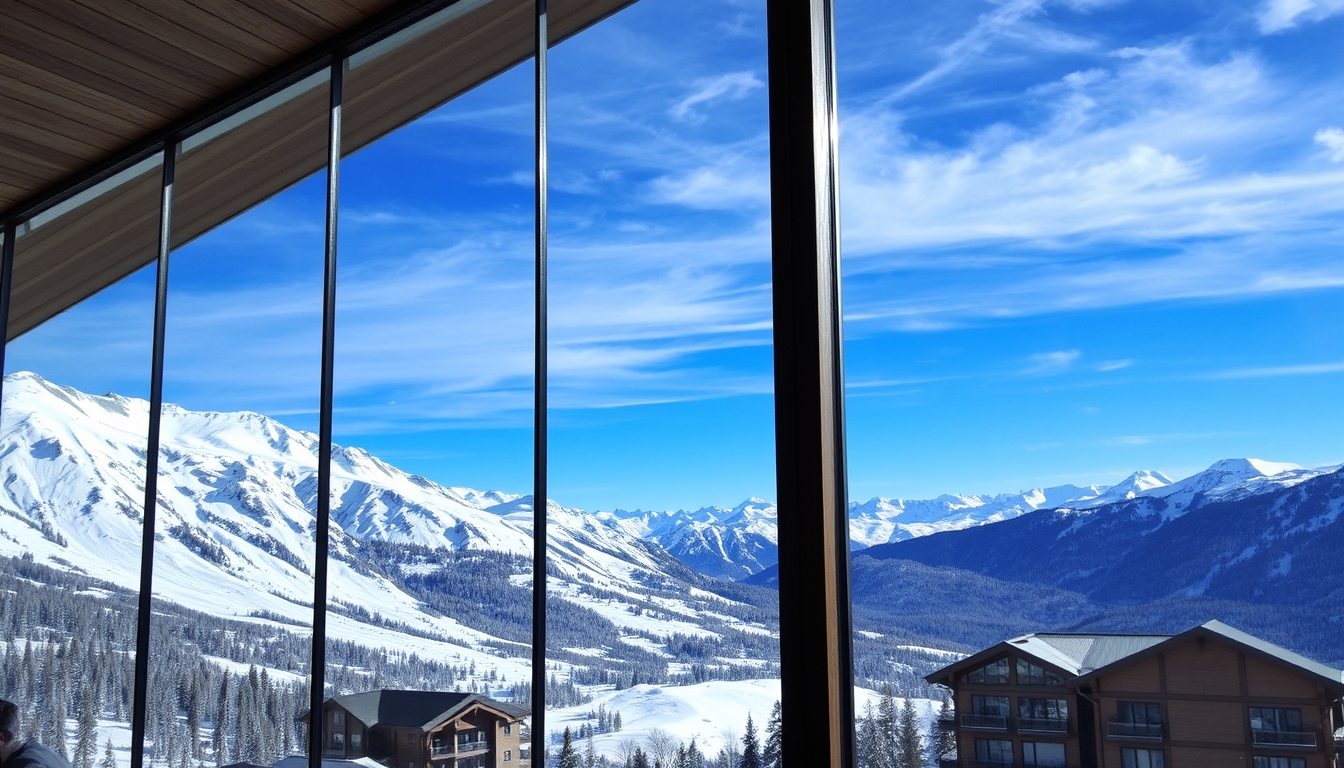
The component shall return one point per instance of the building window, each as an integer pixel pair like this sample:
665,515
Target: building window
1278,762
508,754
1142,758
1043,714
996,751
1035,674
337,740
410,738
989,712
356,739
1276,719
338,718
508,728
1043,754
993,673
1139,712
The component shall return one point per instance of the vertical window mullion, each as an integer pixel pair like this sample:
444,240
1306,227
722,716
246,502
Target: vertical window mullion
539,445
322,532
140,704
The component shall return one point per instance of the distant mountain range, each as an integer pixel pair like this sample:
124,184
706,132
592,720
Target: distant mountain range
735,543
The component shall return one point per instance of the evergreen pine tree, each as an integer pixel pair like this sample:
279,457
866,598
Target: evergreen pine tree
946,739
109,756
590,752
58,729
616,721
751,747
640,760
909,742
569,757
865,738
772,752
884,754
221,730
86,741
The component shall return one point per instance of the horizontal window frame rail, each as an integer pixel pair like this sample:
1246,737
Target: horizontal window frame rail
1057,725
979,722
1138,731
1264,737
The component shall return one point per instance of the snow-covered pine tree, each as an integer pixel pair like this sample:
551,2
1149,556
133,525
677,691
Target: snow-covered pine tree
946,738
865,738
751,747
86,740
772,752
109,756
885,753
569,757
616,721
909,742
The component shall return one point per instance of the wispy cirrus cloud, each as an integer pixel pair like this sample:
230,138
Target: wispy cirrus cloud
1310,369
1281,15
733,85
1051,363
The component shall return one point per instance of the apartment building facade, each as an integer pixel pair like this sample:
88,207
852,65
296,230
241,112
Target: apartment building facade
422,729
1211,697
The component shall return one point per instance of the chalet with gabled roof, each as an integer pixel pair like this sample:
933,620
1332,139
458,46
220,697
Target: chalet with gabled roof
1211,697
422,729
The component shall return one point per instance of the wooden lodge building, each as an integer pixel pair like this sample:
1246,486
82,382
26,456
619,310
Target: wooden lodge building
1211,697
422,729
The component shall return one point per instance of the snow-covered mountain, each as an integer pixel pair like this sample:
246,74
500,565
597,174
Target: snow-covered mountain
735,543
235,528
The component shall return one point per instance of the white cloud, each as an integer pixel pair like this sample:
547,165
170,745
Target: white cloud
1049,363
1333,140
1280,15
1113,365
1278,371
734,85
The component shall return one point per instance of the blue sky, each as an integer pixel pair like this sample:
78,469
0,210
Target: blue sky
1080,239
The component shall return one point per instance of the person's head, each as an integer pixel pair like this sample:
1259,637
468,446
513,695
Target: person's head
9,728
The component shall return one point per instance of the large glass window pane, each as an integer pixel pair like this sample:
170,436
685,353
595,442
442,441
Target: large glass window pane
72,452
662,452
1092,289
234,552
430,561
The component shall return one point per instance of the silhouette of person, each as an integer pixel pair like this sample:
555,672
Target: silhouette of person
22,754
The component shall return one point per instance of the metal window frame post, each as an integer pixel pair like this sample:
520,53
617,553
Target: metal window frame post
318,672
816,649
139,708
539,446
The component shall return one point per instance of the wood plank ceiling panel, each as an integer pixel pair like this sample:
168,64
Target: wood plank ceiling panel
118,70
82,251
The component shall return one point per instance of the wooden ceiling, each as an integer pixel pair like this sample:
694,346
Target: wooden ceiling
84,80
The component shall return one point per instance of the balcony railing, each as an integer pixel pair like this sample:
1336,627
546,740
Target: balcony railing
439,750
973,763
985,722
1262,738
1145,731
1043,724
464,747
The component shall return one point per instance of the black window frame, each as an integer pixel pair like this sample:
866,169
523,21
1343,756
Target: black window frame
983,672
1133,754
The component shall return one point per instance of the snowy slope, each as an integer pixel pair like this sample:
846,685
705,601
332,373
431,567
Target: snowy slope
235,523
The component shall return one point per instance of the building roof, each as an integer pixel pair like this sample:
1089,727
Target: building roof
1331,678
301,761
1085,656
1069,653
418,709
